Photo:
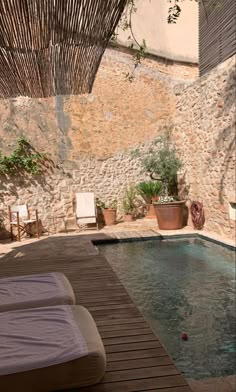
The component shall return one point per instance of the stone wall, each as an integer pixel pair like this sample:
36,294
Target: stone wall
205,135
117,115
90,138
53,193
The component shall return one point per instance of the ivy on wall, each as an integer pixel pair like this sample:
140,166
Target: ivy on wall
23,159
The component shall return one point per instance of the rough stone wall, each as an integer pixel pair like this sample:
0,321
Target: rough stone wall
205,135
117,115
90,137
53,193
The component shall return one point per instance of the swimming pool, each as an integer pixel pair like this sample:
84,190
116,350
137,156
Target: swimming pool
183,286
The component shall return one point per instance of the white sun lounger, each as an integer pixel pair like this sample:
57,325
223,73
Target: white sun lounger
31,291
86,212
49,349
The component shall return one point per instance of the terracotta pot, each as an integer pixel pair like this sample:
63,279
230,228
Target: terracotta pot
109,215
155,199
4,234
100,217
170,215
150,211
128,218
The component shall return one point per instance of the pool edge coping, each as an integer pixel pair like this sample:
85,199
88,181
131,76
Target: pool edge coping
160,237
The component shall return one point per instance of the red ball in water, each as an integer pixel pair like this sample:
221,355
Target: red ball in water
184,336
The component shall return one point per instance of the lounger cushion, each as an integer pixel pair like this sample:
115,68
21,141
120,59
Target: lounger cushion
49,349
31,291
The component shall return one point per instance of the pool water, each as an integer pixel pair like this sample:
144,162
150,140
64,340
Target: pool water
183,286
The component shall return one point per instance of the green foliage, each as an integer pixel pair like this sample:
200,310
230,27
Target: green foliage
174,13
149,189
167,199
139,47
175,9
129,200
109,204
1,223
162,163
23,158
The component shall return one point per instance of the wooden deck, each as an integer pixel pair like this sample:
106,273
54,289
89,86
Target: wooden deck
136,360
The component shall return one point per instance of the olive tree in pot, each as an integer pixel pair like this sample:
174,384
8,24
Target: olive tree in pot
150,191
129,205
162,163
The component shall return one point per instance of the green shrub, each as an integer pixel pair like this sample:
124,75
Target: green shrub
129,200
108,204
162,163
149,189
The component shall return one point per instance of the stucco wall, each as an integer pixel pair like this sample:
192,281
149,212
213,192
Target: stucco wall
173,41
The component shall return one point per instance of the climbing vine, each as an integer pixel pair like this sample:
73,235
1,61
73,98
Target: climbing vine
24,158
140,48
126,25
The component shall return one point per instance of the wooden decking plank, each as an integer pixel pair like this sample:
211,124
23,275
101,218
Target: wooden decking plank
129,320
139,385
148,372
99,293
108,294
129,339
124,332
113,307
132,346
172,389
154,353
93,303
137,363
120,327
114,313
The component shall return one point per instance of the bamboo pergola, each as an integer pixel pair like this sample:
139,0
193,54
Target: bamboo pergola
53,47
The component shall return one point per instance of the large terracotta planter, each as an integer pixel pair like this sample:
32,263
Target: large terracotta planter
128,218
109,215
170,216
150,211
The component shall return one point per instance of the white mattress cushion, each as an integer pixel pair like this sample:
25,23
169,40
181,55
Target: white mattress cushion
35,290
37,338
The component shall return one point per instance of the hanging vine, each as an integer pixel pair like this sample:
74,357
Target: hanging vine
24,158
140,48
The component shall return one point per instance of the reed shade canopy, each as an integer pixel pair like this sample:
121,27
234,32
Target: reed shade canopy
53,47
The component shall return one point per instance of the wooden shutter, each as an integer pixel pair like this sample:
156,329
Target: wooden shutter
217,33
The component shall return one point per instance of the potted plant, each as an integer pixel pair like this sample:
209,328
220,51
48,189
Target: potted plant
163,164
129,206
109,211
150,191
3,232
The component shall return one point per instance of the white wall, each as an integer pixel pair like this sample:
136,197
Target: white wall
173,41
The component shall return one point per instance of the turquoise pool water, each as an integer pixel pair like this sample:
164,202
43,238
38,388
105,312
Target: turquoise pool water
183,285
